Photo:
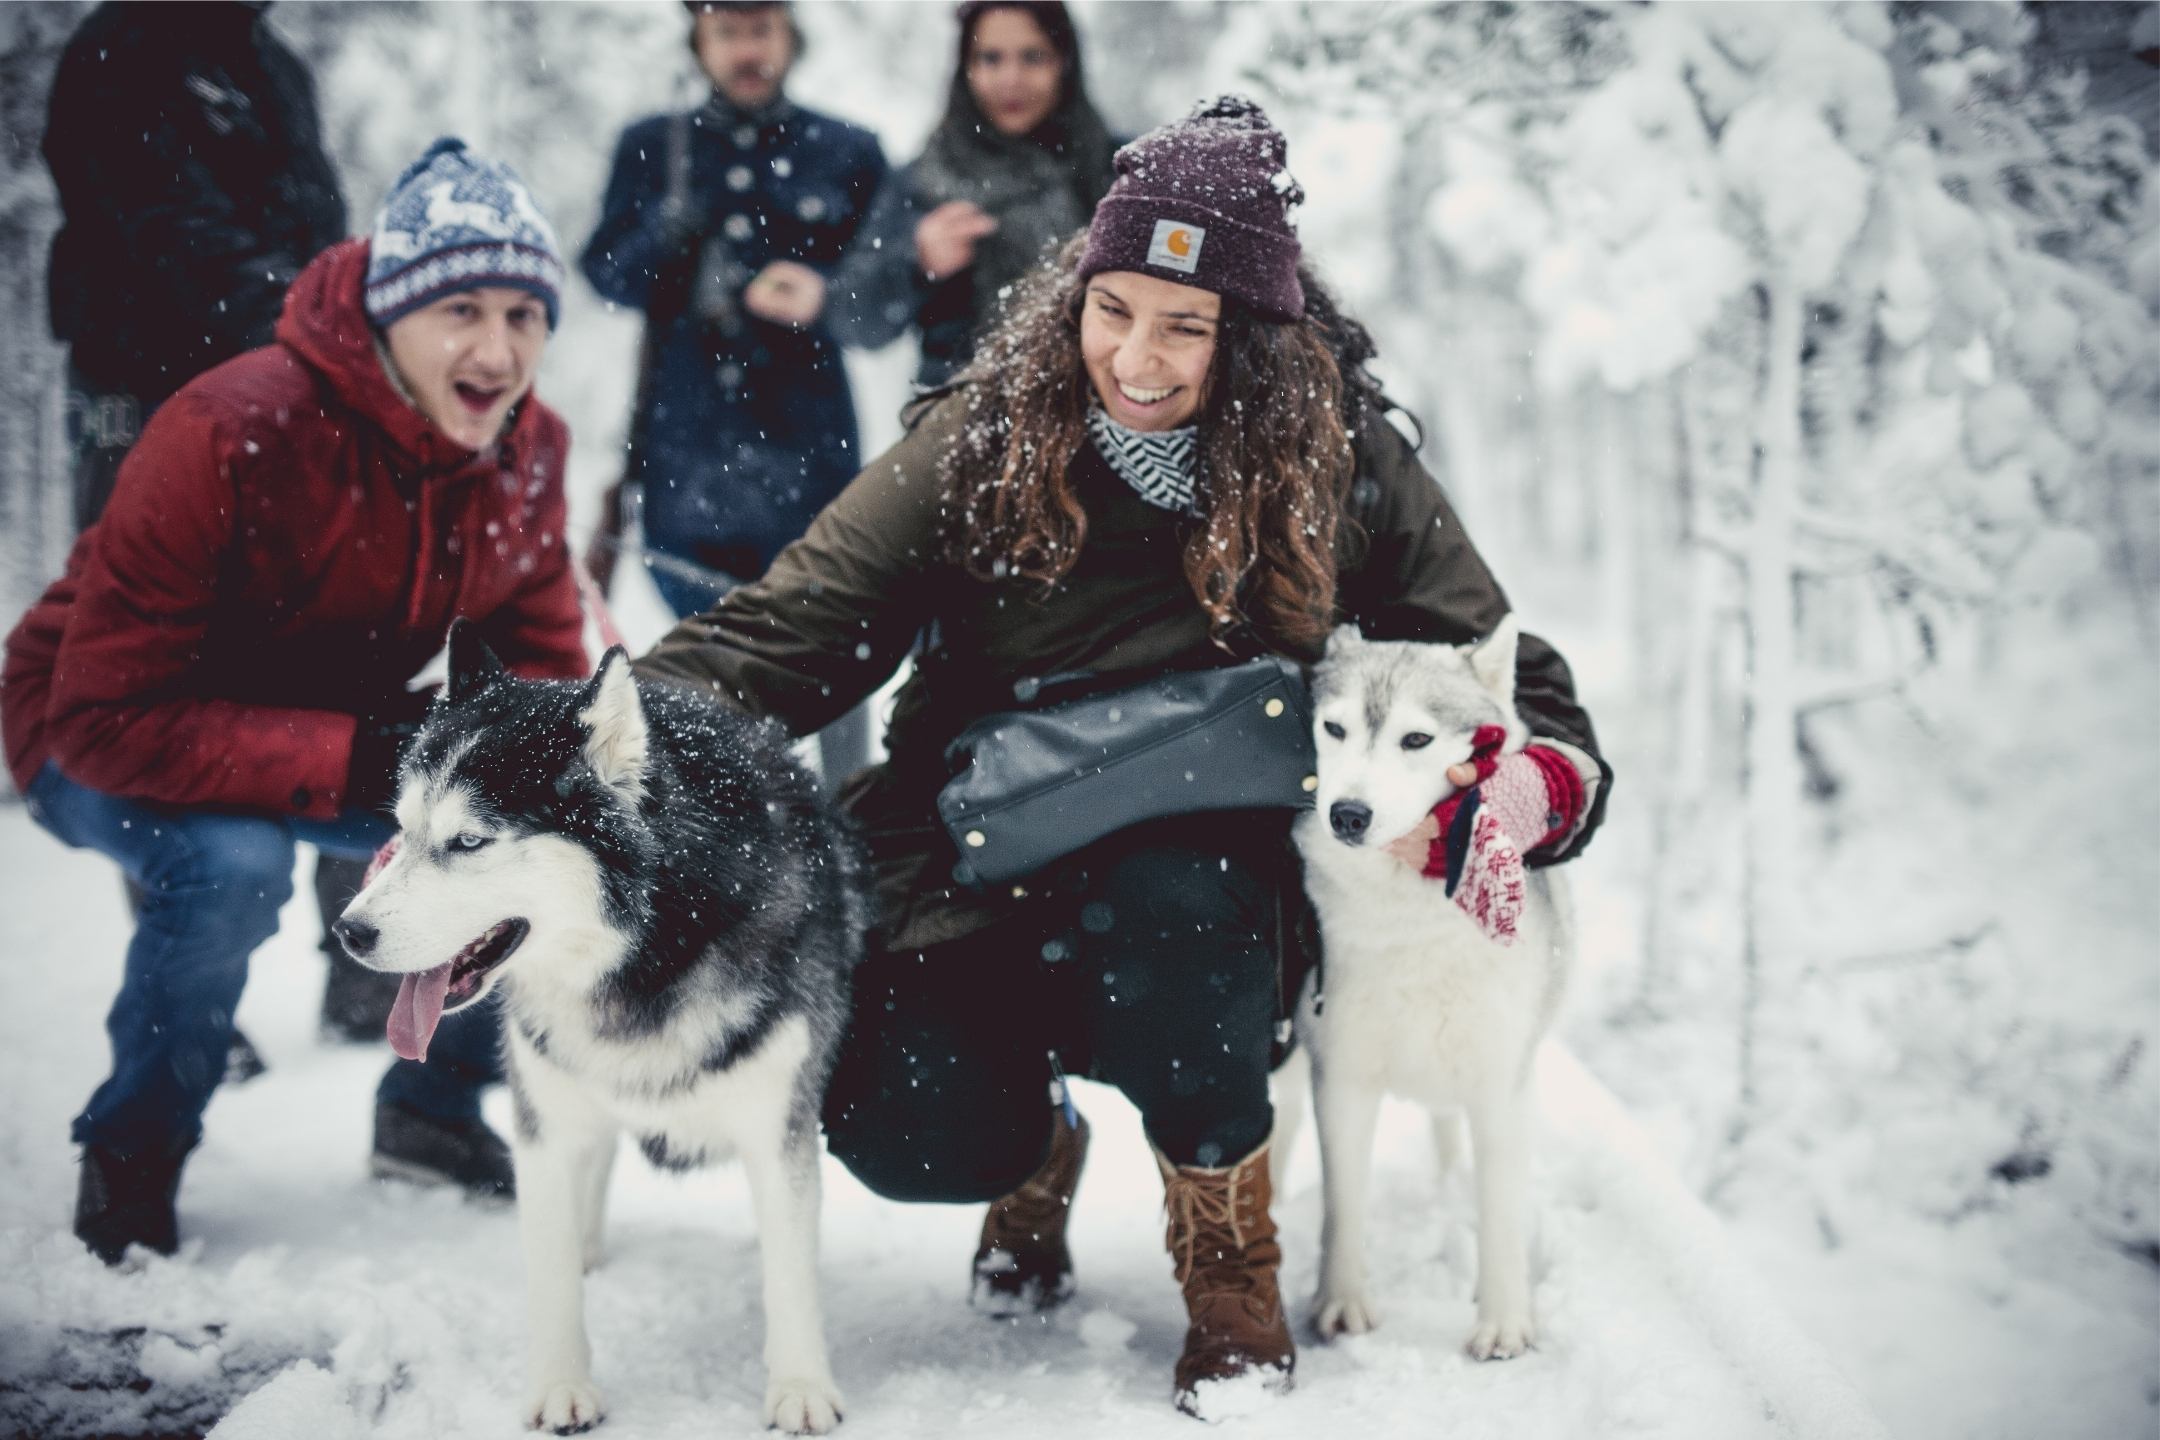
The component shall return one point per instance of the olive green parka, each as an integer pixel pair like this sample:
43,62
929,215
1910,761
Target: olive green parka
874,581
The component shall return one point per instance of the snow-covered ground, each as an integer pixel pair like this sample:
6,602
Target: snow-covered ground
329,1307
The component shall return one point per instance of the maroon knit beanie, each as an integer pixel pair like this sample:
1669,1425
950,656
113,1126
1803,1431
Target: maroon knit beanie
1206,202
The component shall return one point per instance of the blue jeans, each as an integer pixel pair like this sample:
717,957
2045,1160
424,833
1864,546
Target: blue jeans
685,594
212,883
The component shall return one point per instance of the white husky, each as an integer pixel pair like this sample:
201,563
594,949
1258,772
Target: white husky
1414,1000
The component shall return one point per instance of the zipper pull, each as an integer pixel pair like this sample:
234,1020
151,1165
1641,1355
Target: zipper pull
1061,1092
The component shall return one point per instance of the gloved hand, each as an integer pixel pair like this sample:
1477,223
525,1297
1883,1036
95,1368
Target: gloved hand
378,745
1455,818
1474,841
1423,846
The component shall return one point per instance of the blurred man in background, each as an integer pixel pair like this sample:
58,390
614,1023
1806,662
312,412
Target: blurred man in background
721,224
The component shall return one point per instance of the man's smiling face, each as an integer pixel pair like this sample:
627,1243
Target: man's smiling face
469,357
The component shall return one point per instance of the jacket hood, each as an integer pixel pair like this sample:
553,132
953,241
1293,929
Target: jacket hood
325,325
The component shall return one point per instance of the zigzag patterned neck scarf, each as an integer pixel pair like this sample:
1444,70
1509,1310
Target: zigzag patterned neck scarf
1160,465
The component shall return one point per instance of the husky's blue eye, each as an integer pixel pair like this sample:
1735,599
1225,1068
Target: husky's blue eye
1416,740
467,842
1335,731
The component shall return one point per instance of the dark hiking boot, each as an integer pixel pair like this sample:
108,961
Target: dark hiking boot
1022,1265
356,1000
123,1200
427,1150
1222,1239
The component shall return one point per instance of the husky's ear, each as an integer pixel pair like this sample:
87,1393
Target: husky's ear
616,747
1342,640
1492,660
473,667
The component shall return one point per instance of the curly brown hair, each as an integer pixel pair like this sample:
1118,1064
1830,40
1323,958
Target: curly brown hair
1275,455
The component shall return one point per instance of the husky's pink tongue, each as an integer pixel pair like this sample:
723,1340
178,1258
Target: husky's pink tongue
417,1010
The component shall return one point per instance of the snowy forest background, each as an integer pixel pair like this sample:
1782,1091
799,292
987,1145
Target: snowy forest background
1794,366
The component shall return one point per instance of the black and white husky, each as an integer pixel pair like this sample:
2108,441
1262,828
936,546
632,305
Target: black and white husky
1417,1001
672,919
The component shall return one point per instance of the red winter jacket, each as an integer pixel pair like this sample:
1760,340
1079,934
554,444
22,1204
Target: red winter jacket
285,547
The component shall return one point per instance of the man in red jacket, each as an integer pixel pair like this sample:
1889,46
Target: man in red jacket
223,669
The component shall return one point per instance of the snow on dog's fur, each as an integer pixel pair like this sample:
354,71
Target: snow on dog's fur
1416,1001
672,919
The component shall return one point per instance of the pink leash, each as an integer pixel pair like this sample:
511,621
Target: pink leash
596,603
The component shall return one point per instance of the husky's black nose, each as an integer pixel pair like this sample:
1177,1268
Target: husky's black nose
358,936
1348,819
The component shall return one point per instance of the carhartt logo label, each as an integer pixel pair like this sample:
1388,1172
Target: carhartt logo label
1176,246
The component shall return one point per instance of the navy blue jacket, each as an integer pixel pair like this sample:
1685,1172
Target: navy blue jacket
746,429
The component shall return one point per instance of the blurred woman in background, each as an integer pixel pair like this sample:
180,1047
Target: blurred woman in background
1015,166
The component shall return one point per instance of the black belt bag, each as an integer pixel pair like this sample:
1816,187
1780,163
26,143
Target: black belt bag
1032,786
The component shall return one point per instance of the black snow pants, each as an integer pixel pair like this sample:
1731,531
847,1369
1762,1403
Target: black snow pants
1149,965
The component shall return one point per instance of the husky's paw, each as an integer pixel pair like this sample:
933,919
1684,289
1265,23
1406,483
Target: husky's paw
1500,1337
802,1405
1344,1312
565,1407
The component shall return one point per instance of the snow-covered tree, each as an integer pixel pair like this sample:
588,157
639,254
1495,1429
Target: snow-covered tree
1835,319
35,513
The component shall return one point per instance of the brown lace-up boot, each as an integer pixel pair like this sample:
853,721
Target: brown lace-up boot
1022,1265
1222,1238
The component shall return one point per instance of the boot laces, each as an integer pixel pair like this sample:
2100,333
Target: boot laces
1207,1238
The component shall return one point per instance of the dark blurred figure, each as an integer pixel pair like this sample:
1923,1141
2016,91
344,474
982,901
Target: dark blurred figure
1015,166
356,1000
187,149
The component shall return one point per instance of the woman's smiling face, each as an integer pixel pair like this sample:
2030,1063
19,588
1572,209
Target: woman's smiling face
1148,345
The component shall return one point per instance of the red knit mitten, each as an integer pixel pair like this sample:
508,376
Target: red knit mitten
1479,850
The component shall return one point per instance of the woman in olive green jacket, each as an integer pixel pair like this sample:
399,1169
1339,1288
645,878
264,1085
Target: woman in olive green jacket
1170,456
